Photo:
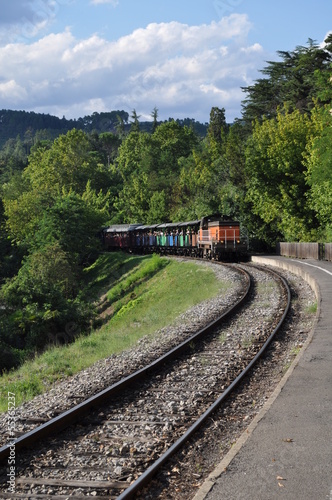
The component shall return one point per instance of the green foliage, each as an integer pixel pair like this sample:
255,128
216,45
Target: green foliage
102,122
9,260
43,299
157,208
66,168
200,182
319,173
174,140
293,80
276,187
150,166
71,222
217,131
212,177
133,202
134,123
68,164
107,145
13,158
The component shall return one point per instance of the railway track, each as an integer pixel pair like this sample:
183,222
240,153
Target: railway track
117,440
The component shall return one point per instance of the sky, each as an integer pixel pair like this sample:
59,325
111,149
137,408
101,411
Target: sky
75,57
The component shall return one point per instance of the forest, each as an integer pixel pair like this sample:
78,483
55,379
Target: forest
61,181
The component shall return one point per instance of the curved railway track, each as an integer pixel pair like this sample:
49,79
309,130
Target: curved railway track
126,433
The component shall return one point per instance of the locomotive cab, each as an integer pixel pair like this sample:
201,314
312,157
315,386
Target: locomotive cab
219,237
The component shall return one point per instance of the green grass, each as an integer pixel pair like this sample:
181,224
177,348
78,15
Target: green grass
137,296
312,308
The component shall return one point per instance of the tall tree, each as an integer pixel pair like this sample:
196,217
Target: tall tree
120,127
154,116
217,130
291,80
134,121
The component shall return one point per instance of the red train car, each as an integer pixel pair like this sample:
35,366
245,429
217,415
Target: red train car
119,236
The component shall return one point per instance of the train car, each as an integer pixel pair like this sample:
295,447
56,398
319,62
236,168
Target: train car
189,236
213,237
119,236
145,237
220,238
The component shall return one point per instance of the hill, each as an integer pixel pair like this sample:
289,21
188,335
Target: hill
28,124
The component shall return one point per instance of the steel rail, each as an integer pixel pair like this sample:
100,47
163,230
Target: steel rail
72,415
145,478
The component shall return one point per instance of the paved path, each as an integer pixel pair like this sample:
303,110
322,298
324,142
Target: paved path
287,453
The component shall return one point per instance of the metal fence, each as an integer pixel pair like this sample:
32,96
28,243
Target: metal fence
318,251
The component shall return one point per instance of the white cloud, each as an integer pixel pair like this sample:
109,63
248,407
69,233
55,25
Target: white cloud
183,70
13,91
253,48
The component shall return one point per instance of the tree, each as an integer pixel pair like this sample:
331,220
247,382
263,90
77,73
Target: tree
9,259
68,166
108,145
154,116
133,202
42,300
217,130
13,159
69,163
174,142
131,151
200,183
157,208
72,223
134,121
148,164
292,81
318,160
53,213
120,127
277,188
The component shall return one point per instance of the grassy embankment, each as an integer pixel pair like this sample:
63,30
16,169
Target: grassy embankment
135,296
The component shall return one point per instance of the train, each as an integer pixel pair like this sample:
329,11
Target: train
213,237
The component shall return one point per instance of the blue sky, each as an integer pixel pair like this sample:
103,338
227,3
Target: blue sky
74,57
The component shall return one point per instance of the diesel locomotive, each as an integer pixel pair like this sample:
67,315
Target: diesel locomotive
213,237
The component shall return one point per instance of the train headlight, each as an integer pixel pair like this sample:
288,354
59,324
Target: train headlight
238,241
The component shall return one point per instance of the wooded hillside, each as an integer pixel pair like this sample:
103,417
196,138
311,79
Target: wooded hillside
271,170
